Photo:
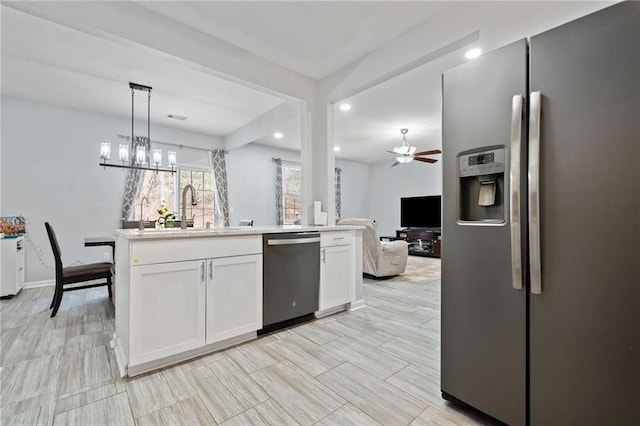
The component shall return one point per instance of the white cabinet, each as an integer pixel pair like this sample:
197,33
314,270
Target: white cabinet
167,309
11,266
234,297
179,306
337,272
182,297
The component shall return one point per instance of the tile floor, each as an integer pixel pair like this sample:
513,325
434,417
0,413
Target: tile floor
375,365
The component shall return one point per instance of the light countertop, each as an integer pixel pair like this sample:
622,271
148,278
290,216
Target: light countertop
152,234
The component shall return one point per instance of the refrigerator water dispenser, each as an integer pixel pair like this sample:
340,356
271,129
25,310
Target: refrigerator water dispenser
481,192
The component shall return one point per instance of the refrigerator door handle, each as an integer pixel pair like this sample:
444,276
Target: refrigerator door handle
514,183
534,193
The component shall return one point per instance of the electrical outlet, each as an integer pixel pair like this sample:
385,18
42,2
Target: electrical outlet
107,256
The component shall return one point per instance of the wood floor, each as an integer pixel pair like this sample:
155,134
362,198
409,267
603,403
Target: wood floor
375,365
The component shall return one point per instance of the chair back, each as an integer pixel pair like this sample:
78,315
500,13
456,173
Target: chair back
371,245
54,246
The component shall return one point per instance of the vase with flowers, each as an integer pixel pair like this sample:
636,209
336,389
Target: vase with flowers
166,219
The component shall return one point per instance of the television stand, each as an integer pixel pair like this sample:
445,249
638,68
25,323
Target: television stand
422,241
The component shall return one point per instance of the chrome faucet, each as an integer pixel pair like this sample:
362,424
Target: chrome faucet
141,224
183,216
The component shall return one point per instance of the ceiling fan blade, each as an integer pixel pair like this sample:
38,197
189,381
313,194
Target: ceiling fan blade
394,153
433,151
426,160
395,163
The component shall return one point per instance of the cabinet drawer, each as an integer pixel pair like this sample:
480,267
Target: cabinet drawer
183,249
330,239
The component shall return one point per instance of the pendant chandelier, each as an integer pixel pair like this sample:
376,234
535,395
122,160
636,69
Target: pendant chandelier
135,156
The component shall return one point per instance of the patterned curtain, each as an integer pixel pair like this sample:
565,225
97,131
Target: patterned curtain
221,195
338,193
134,179
279,212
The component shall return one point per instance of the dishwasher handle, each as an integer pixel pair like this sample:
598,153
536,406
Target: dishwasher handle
284,242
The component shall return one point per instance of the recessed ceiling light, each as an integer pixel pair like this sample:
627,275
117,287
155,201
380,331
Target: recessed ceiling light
278,135
473,53
336,148
345,107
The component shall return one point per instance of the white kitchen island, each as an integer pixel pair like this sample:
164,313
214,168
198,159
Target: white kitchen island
183,293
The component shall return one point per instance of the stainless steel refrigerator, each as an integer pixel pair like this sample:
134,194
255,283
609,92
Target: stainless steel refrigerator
541,226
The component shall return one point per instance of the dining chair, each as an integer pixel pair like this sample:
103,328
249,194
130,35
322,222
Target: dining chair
75,274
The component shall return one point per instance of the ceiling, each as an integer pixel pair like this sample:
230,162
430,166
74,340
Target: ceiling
47,61
51,63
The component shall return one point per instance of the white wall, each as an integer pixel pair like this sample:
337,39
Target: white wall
388,184
251,179
354,184
50,173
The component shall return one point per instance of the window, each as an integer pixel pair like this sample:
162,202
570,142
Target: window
292,194
156,188
159,188
203,183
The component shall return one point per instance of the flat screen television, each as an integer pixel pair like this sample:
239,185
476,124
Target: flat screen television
421,212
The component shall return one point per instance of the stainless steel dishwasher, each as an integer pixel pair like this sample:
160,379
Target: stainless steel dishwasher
291,278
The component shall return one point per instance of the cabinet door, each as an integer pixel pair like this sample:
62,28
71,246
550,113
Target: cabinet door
336,276
167,309
234,296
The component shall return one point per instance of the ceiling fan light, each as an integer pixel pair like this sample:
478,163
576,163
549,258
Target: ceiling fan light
404,159
404,149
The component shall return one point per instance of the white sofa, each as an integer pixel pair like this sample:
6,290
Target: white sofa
379,259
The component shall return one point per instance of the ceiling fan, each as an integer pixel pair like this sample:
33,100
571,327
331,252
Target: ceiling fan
406,153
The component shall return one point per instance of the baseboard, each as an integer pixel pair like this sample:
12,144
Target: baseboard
184,356
116,345
331,311
36,284
358,304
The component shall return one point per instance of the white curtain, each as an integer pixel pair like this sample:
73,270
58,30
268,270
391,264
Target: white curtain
134,180
221,194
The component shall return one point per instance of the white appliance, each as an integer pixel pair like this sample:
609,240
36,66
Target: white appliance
12,266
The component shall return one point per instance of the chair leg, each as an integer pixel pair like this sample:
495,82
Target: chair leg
58,299
53,299
109,287
55,295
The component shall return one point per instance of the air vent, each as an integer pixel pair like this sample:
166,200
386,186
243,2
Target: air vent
178,117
